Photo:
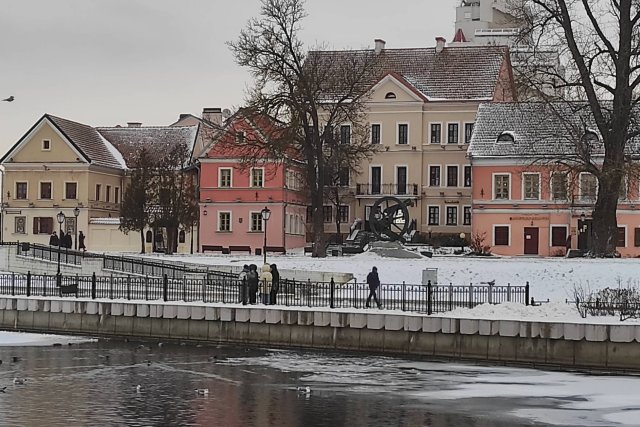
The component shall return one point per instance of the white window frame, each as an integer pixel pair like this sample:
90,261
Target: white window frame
566,184
395,178
107,193
439,215
626,237
539,185
493,233
430,133
493,185
65,189
42,145
40,190
371,133
551,227
230,177
251,178
220,222
446,174
398,133
447,133
429,176
15,195
350,131
580,195
251,213
464,132
446,215
348,213
381,177
15,224
470,214
97,189
464,168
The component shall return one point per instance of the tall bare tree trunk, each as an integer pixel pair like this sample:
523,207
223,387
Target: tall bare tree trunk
142,241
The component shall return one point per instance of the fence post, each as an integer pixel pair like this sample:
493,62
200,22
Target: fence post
77,285
28,283
243,291
526,294
165,287
404,296
93,285
332,291
470,295
309,292
128,287
450,296
508,292
13,283
490,294
204,289
146,288
429,299
111,286
44,285
184,288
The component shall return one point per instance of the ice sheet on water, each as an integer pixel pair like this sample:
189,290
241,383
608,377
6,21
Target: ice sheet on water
26,339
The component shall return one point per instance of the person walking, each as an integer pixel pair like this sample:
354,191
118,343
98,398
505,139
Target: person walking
374,282
53,240
68,241
266,279
81,245
252,283
242,279
275,283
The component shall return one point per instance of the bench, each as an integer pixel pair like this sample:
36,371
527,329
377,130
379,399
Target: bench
240,249
213,248
69,289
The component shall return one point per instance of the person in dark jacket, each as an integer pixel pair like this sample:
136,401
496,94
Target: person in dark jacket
374,282
81,245
53,240
68,241
275,282
252,282
242,279
62,239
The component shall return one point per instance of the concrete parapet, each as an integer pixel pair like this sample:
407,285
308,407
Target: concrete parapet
56,306
243,314
339,320
272,316
197,313
22,304
509,328
117,309
142,310
431,324
183,312
412,323
169,312
450,325
228,314
375,321
212,313
257,315
129,310
155,310
393,322
622,333
321,318
469,326
573,331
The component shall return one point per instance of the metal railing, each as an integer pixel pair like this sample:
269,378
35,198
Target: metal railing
387,189
426,299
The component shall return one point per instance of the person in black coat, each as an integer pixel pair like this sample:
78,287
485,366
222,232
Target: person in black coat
374,282
53,240
68,241
275,283
252,282
81,245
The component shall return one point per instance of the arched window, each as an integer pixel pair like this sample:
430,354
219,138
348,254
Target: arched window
181,236
590,136
390,95
148,236
506,137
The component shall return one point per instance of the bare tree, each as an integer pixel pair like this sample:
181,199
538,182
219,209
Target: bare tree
598,42
134,209
310,94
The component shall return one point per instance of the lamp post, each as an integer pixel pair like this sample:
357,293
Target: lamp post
266,213
429,230
60,218
462,236
76,212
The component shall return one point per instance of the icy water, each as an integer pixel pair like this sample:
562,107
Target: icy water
95,384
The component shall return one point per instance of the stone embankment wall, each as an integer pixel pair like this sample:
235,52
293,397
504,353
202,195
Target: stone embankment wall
567,345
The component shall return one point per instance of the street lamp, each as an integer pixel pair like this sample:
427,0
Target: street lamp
266,213
462,236
76,212
60,218
429,230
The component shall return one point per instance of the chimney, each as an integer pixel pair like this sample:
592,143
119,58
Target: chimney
183,116
440,41
379,45
213,115
134,124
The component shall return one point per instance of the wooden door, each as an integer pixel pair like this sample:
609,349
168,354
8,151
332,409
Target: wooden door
531,240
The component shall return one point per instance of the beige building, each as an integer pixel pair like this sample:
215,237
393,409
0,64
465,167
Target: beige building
421,113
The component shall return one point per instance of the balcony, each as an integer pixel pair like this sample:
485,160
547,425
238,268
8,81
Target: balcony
410,190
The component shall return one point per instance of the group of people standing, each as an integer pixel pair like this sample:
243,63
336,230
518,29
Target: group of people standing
267,283
65,240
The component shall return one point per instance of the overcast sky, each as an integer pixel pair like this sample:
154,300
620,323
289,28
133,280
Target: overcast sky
105,63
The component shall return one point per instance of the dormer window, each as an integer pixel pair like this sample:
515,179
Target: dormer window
240,136
506,137
590,137
46,145
390,95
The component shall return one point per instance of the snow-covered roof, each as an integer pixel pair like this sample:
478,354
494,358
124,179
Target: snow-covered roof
105,220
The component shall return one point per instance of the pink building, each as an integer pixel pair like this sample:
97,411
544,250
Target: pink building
524,201
232,196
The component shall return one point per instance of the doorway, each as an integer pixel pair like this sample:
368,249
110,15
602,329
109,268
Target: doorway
531,235
584,234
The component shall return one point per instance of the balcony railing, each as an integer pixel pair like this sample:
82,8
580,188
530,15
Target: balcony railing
387,190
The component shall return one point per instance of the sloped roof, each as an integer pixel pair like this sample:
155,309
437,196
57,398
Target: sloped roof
88,141
455,73
157,139
538,129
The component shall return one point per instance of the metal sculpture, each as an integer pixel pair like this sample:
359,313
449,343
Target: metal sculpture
389,218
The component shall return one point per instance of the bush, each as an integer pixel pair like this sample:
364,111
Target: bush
478,246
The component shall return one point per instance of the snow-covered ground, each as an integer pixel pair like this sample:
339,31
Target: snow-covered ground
14,339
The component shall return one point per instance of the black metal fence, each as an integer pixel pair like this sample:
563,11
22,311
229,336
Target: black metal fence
411,298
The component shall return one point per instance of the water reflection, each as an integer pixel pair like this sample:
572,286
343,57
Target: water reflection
95,384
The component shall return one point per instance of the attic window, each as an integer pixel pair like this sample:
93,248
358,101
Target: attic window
506,137
390,95
590,136
46,144
240,136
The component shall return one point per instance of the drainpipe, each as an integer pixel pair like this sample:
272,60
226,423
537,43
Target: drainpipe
2,207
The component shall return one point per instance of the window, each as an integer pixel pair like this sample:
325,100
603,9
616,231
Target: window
327,212
559,236
466,215
148,237
390,95
501,187
434,215
588,187
452,133
343,213
467,176
376,179
531,184
345,134
45,190
20,226
436,133
309,213
108,198
401,180
181,236
42,225
116,195
468,132
98,190
328,134
71,190
240,137
257,178
224,221
225,178
622,237
343,177
403,133
21,190
46,144
506,137
256,221
434,176
452,215
559,186
636,237
501,235
375,134
452,176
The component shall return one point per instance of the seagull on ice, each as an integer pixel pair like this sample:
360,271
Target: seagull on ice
19,381
138,388
9,99
2,390
304,390
202,391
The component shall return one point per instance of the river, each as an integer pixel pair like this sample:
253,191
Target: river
95,383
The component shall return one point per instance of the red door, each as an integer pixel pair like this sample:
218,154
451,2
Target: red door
531,241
